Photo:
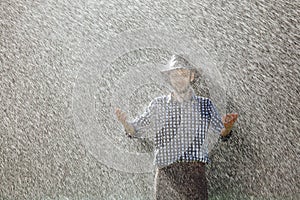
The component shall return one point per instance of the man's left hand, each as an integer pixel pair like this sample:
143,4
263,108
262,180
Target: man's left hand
228,121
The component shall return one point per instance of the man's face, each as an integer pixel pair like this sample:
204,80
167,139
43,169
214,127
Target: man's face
180,79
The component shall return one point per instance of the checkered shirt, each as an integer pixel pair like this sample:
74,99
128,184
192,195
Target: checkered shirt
179,130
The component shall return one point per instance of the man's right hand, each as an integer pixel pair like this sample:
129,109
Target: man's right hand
121,116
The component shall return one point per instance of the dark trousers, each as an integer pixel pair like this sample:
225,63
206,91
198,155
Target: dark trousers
181,180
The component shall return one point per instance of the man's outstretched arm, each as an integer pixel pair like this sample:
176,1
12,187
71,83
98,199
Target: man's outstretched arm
224,125
142,125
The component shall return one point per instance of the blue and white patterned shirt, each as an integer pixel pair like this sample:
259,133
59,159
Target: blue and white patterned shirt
179,130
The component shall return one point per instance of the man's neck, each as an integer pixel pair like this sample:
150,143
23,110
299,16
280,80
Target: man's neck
182,96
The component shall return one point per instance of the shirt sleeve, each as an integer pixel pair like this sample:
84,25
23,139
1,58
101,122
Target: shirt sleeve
215,120
144,125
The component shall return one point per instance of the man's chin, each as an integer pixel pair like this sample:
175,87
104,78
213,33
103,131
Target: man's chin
181,91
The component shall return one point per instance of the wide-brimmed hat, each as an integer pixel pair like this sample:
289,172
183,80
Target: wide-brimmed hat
176,62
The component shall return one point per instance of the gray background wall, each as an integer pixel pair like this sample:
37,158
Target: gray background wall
43,46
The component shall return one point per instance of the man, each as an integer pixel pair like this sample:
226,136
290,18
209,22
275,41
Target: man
180,121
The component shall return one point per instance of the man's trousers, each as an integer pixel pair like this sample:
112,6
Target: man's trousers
181,180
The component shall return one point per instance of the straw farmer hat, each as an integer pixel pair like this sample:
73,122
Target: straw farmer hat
177,62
